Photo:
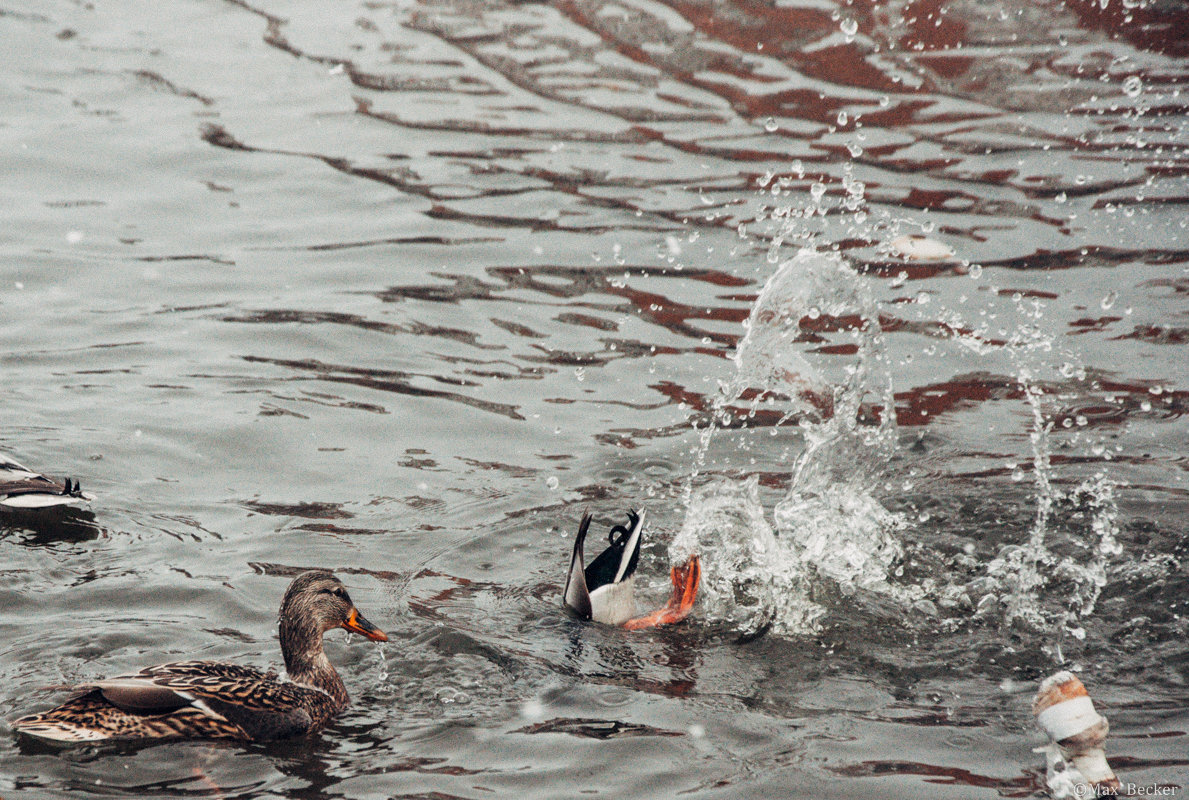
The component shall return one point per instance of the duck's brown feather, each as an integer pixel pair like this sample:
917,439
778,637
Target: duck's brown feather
90,717
204,699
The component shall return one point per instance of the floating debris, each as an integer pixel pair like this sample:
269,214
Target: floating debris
912,247
1076,757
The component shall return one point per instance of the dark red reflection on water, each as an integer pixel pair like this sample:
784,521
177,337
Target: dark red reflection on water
1158,27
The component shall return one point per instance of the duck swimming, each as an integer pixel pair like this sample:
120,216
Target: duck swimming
604,591
22,488
212,700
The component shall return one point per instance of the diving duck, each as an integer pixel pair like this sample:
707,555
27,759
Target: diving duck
212,700
22,488
604,591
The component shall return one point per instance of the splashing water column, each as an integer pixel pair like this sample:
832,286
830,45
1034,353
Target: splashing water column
837,405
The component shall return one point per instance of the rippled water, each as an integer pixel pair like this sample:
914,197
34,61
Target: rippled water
400,289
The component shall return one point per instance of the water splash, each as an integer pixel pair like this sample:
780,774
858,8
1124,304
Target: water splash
1050,583
836,396
1033,584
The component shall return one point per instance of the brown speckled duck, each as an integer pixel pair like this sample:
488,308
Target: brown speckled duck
212,700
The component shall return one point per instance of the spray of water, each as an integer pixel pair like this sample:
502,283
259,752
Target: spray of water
1050,583
1032,584
812,384
813,355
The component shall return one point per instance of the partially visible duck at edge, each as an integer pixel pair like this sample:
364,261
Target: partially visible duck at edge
22,488
213,700
605,591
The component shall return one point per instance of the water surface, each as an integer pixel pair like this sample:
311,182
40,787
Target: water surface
401,288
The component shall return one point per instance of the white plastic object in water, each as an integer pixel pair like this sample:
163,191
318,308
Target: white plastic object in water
1066,713
912,247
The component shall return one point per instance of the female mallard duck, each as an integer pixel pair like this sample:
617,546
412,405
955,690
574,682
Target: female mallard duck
210,700
21,487
604,591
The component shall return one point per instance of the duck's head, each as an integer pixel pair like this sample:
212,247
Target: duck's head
317,602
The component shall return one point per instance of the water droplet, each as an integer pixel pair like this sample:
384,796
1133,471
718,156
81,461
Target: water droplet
770,125
843,118
813,312
976,271
849,27
1145,406
884,101
580,373
533,709
1109,300
817,191
552,483
1061,198
448,695
1133,86
1081,420
1017,474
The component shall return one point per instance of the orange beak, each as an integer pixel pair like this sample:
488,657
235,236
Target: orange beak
357,624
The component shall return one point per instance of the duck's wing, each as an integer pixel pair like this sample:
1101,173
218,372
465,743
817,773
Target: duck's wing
255,701
618,562
189,699
21,487
577,596
169,686
91,718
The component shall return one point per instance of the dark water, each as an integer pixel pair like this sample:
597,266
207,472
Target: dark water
400,288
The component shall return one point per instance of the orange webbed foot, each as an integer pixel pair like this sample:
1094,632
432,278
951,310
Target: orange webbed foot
685,590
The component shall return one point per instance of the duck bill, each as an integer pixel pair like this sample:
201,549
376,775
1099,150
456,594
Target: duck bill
357,624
